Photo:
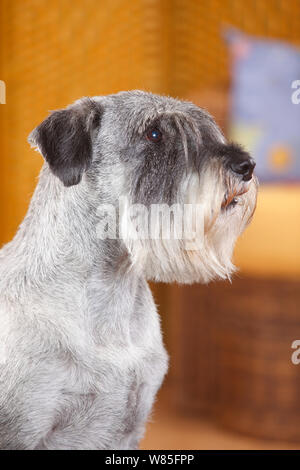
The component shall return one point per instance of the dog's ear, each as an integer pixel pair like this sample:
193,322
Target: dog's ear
65,139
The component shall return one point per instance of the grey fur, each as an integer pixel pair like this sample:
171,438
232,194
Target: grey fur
81,353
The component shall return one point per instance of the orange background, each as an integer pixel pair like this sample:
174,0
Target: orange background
53,52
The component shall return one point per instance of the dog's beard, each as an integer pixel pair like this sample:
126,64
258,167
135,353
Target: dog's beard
225,206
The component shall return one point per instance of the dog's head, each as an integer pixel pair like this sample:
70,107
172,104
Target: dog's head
146,154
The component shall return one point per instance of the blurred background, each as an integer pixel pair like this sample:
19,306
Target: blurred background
232,383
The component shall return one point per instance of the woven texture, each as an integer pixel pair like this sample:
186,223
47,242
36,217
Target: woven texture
55,52
200,55
233,355
52,52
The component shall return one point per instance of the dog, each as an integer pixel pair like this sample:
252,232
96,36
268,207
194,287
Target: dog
81,352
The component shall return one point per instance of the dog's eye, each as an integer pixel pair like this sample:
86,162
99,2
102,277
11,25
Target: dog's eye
154,135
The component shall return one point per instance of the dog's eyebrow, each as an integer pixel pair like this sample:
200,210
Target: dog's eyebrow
140,126
182,135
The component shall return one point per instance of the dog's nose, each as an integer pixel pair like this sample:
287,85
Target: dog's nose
243,167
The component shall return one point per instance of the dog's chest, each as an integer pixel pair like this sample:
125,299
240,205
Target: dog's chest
116,391
123,323
122,357
116,365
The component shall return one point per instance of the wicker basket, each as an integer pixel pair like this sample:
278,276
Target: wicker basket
234,352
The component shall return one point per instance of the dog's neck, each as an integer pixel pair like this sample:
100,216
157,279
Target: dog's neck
57,229
58,237
57,270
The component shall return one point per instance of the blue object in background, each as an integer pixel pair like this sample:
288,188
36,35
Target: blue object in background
263,115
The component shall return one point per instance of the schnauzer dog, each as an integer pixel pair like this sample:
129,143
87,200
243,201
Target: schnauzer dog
81,353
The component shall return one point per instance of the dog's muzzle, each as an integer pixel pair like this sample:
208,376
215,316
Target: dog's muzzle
244,168
238,181
239,167
233,193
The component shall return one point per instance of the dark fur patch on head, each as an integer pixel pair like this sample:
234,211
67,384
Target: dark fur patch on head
228,153
232,151
65,140
160,165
